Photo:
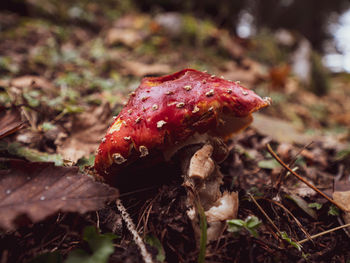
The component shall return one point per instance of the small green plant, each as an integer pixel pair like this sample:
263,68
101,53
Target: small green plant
285,237
101,246
318,206
155,242
203,239
333,210
251,224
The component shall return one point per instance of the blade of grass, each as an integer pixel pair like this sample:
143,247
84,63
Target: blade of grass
203,239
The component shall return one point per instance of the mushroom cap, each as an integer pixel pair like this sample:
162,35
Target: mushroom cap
165,111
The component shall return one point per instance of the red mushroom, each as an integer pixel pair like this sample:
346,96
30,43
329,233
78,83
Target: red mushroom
165,111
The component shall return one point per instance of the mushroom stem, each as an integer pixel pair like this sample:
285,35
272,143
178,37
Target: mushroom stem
202,179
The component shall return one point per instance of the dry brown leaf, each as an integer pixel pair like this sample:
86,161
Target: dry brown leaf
280,130
10,121
38,190
341,195
248,72
140,69
33,82
125,36
87,131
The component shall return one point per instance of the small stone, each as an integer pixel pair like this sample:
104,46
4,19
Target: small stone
237,82
204,81
127,138
42,198
229,91
144,98
129,111
154,107
169,93
103,140
180,105
222,77
118,158
160,124
212,76
132,94
8,192
143,150
211,108
196,109
209,93
114,117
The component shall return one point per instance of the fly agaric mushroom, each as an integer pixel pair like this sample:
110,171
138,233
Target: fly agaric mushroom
167,113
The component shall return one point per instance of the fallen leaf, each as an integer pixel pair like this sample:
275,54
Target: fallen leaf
341,195
87,132
38,190
10,121
248,72
128,37
33,154
280,130
33,82
303,205
140,69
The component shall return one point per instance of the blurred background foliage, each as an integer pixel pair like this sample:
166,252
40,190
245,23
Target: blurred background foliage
97,51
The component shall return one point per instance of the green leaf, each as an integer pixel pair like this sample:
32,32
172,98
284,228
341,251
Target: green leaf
154,242
236,222
251,224
46,126
290,241
303,205
333,210
100,244
34,155
341,155
318,206
269,164
82,162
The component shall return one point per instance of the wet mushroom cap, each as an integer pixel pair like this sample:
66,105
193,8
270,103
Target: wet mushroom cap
164,111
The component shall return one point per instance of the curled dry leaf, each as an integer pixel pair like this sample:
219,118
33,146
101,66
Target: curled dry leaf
38,190
10,121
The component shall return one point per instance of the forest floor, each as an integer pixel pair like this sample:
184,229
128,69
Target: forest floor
62,81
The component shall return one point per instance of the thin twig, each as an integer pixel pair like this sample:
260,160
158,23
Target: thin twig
264,213
131,227
290,213
324,233
303,180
